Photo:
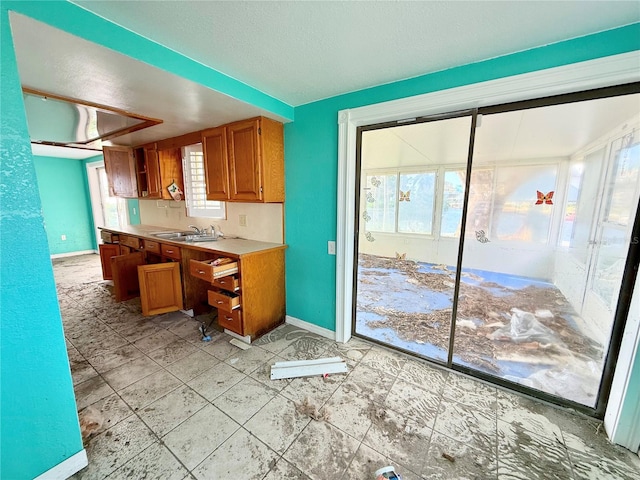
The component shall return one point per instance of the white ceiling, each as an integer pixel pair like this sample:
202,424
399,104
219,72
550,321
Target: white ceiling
298,51
302,51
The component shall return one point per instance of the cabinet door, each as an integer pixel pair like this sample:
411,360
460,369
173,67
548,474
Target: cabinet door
244,160
160,288
107,251
125,275
170,162
120,165
152,167
216,171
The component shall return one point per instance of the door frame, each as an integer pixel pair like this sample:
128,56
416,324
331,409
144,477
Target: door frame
603,72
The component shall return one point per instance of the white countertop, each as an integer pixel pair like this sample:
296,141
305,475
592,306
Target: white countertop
234,246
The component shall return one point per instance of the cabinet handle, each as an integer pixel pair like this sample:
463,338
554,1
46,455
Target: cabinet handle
219,302
169,251
201,272
222,282
228,318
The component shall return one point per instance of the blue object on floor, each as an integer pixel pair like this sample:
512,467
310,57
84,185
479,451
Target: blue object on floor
206,338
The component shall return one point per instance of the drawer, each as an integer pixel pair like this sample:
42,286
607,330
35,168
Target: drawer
133,242
205,270
223,300
231,320
230,283
170,251
151,246
108,237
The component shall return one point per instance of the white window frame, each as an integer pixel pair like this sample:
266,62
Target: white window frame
195,188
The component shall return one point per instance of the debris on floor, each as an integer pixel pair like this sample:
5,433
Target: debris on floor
308,368
448,457
310,410
509,326
91,421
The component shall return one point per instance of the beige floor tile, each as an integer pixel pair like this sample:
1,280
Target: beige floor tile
215,381
197,437
249,360
155,462
244,399
192,365
105,360
322,451
130,372
172,352
231,459
168,412
278,423
149,389
116,446
91,391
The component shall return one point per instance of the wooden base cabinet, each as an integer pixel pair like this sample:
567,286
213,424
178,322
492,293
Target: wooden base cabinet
248,292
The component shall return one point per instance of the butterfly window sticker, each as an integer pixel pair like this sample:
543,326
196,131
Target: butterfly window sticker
544,199
405,196
481,236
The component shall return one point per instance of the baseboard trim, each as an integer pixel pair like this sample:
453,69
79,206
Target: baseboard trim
323,332
73,254
67,468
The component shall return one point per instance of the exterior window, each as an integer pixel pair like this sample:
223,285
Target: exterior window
400,202
516,216
196,190
415,202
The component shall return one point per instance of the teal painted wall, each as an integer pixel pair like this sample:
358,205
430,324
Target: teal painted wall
66,204
39,427
311,153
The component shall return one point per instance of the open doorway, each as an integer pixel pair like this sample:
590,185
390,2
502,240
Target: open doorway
503,260
107,211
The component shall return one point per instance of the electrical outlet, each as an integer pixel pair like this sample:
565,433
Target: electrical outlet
134,210
243,220
331,247
63,237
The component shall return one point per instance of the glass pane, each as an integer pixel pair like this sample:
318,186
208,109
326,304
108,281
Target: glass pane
415,202
529,312
523,200
452,200
379,196
405,274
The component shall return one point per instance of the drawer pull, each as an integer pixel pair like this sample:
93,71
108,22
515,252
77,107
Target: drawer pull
228,318
223,282
169,251
201,272
219,302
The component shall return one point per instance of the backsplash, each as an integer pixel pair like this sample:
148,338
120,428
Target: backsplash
264,222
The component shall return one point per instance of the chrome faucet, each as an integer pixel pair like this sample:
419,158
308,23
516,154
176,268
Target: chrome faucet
198,231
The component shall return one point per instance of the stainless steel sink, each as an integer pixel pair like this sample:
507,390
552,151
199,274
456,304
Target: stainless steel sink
184,236
172,235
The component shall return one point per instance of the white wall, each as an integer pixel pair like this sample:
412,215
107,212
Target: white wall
265,222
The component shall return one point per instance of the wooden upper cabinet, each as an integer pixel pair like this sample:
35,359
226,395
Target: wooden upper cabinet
153,172
256,160
157,169
244,160
170,162
214,149
120,165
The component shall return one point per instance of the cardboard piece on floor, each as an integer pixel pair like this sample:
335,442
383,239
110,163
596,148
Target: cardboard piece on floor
307,368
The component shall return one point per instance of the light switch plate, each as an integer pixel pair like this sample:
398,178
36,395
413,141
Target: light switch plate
331,247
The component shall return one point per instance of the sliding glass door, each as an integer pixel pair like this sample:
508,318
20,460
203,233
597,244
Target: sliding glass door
524,293
410,208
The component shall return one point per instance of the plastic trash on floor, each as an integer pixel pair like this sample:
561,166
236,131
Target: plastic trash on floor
525,327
